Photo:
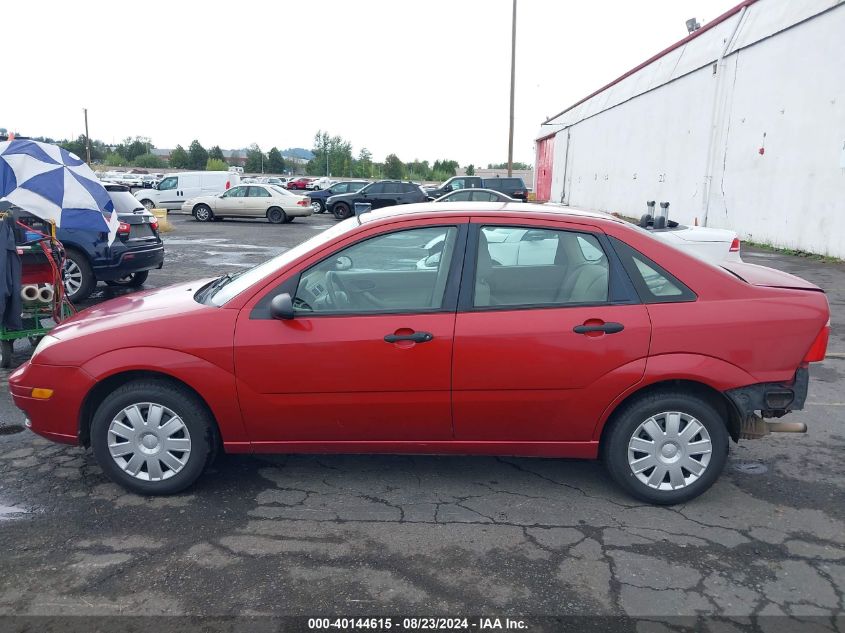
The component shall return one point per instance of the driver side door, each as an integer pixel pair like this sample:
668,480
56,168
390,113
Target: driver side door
232,202
367,357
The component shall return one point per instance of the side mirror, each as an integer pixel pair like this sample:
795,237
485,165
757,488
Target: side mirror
281,307
447,188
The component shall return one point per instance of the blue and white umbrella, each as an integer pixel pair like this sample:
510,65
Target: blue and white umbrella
55,185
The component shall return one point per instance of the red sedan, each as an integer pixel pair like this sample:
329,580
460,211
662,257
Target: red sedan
515,331
299,183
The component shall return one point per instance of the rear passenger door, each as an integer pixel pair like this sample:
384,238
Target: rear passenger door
549,330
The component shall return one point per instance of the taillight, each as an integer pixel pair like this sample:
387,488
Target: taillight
123,229
819,347
154,223
304,202
734,246
228,184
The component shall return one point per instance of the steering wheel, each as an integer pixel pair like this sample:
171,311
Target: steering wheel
334,287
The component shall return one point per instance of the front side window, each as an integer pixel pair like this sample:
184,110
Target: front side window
376,187
340,188
458,183
522,266
168,183
387,273
236,192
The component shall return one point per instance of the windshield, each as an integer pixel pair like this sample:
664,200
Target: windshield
237,284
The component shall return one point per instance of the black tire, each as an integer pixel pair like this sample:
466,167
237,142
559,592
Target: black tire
132,280
7,348
185,404
78,276
342,211
289,219
627,420
276,216
203,213
321,206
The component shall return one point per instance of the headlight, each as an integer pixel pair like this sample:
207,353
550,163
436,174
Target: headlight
45,342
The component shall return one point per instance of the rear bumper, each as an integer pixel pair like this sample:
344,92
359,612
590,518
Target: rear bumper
772,399
56,418
131,261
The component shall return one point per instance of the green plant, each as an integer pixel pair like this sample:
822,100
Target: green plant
215,164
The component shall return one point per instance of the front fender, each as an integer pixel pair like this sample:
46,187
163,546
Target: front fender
213,383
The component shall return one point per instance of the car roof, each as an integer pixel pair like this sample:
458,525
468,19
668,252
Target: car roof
482,189
486,208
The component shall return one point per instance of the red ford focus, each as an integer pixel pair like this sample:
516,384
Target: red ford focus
480,328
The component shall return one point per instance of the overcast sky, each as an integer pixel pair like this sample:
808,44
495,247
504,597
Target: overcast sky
425,79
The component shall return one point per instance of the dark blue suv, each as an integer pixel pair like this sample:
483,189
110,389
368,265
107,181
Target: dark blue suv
136,250
318,198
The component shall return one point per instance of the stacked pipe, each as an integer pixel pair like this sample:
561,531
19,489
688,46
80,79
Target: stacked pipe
41,293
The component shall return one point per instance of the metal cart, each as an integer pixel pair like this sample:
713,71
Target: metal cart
42,260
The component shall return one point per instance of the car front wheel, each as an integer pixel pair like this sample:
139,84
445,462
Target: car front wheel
342,211
666,447
152,437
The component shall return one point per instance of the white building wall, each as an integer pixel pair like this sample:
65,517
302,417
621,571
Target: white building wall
693,138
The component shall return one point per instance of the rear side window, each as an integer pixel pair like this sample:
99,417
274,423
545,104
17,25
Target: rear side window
533,267
653,283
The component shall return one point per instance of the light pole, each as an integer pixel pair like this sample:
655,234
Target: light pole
87,138
513,81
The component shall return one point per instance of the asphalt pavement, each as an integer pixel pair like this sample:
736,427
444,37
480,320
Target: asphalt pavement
369,535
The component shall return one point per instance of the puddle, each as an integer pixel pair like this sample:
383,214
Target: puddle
751,468
218,243
10,512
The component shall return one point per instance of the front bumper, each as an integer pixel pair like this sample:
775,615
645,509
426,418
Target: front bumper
56,418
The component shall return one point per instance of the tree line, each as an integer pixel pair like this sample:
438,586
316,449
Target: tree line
333,155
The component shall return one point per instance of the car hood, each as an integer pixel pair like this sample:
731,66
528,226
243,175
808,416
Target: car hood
145,307
768,277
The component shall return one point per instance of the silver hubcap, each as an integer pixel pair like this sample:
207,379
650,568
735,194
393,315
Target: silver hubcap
202,214
73,277
315,206
149,441
148,204
669,450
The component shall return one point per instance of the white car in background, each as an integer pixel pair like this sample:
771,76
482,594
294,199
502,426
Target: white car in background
529,247
321,183
250,201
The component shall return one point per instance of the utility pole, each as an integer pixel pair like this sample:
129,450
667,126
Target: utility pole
326,150
513,82
87,139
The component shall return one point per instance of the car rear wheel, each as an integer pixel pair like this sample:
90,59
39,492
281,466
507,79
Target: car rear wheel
148,204
317,206
276,216
78,276
132,280
666,447
342,211
152,437
203,213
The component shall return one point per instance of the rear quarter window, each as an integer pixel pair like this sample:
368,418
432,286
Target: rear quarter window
653,283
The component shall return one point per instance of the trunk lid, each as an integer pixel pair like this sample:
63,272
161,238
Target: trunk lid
768,277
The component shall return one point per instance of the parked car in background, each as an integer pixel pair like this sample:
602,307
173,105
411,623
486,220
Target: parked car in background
133,180
318,198
622,347
312,184
148,181
136,250
379,194
276,204
475,195
174,189
511,187
298,183
322,183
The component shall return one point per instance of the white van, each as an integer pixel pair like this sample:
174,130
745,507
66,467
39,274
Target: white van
174,189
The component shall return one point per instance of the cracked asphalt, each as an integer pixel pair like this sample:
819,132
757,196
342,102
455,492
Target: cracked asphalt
369,535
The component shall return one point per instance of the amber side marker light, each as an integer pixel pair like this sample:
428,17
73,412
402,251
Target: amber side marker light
40,393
